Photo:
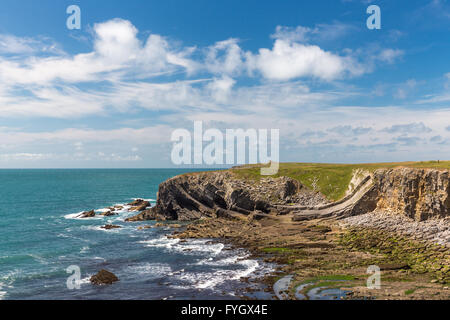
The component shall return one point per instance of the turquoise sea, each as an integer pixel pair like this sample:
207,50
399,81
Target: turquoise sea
40,238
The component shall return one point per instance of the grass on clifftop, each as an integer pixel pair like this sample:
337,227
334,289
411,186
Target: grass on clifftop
332,180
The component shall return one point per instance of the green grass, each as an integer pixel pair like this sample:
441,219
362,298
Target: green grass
410,291
276,250
331,180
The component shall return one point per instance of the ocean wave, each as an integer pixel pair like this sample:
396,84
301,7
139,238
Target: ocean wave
38,258
231,260
99,258
6,281
162,242
242,267
153,269
189,247
210,280
84,249
76,216
99,228
2,293
149,200
86,280
73,215
202,246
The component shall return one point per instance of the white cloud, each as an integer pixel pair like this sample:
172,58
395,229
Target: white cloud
221,88
320,33
10,44
405,89
49,86
225,57
116,49
289,60
25,156
390,55
222,84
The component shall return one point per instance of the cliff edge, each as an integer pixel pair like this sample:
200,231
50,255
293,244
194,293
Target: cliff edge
420,194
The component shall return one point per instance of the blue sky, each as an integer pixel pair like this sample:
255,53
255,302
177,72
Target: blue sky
111,93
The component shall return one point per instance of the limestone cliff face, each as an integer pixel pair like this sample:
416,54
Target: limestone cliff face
420,194
211,194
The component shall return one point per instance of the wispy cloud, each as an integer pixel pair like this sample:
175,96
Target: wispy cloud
296,84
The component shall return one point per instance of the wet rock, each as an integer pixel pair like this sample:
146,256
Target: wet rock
136,202
139,205
109,213
145,227
87,214
145,215
110,226
104,277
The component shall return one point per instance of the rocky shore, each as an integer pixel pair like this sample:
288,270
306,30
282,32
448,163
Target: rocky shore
433,230
397,219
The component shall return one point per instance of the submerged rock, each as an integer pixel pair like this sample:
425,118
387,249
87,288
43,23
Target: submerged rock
145,227
104,277
110,226
109,213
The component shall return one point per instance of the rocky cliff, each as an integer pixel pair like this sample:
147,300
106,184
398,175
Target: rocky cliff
220,193
420,194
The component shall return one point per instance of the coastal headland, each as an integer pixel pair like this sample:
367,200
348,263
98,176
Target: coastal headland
325,225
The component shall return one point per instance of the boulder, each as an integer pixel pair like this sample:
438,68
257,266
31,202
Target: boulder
104,277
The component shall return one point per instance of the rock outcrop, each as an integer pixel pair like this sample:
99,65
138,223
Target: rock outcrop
110,227
139,205
104,277
211,194
420,194
109,213
87,214
362,199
